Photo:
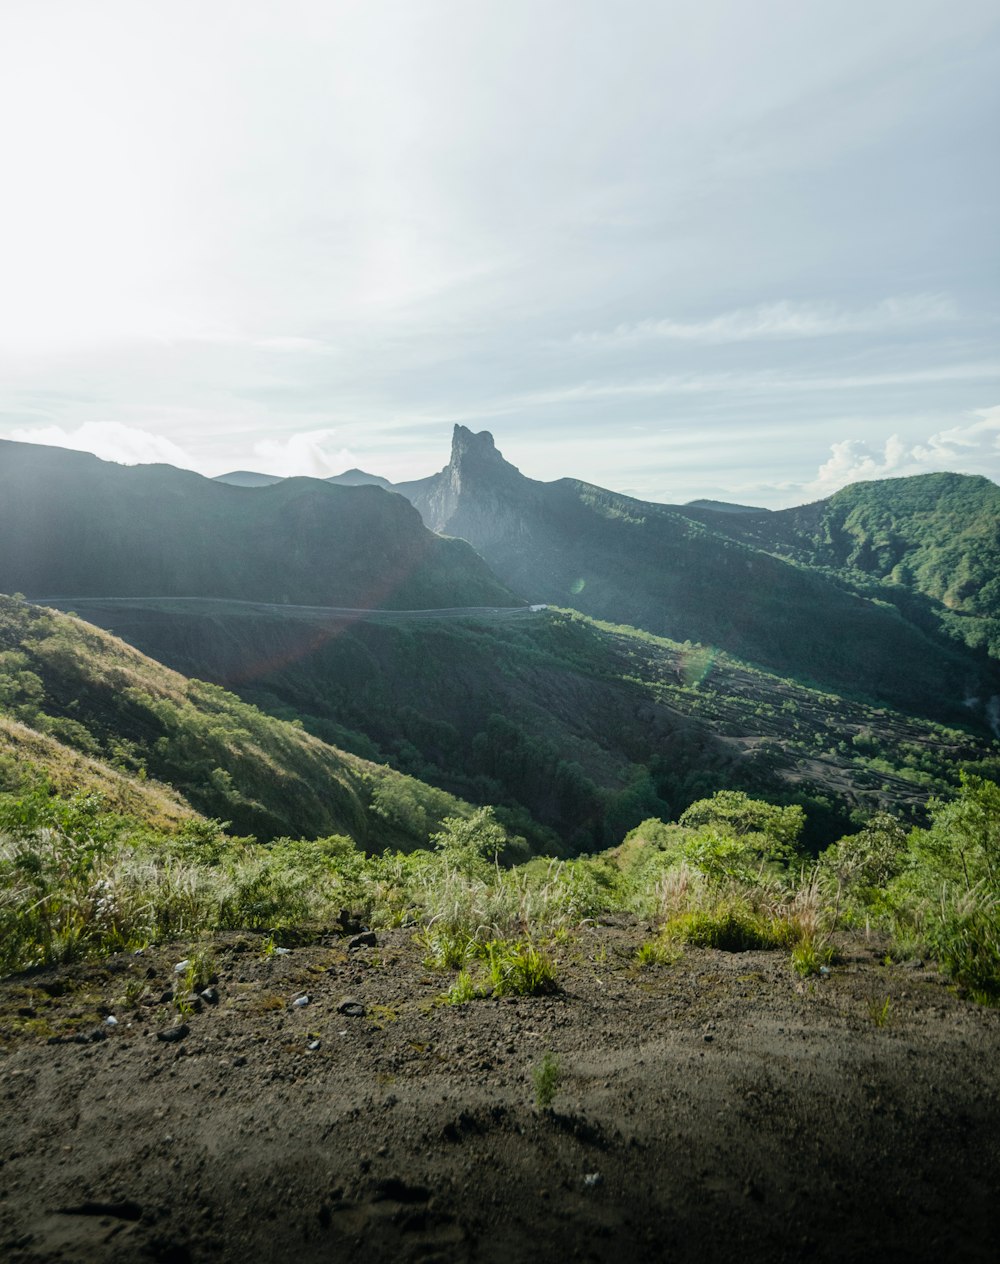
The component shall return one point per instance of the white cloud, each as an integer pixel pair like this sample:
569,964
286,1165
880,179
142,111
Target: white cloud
970,449
284,343
310,453
783,320
109,440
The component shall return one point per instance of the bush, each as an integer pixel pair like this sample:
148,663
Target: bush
731,928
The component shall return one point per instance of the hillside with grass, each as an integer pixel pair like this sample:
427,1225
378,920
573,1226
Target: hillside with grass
563,723
699,575
73,525
931,544
88,714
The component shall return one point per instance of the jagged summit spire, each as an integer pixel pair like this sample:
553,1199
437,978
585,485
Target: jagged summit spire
464,440
473,453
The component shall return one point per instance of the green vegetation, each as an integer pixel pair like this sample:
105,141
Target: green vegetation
78,881
72,524
810,594
574,730
547,1077
95,714
929,545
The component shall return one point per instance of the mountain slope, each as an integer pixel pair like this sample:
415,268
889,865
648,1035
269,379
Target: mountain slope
95,714
690,575
936,536
71,524
590,728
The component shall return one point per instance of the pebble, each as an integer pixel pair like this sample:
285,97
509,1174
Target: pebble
181,966
210,996
351,1008
592,1179
301,1002
173,1034
313,1045
365,940
111,1021
282,952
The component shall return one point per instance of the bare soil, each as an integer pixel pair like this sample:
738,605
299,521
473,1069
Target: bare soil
716,1109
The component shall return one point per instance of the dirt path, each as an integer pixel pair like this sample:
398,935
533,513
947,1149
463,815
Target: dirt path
716,1109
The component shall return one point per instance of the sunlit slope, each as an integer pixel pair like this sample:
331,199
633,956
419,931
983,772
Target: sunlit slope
96,714
590,728
694,575
931,541
71,524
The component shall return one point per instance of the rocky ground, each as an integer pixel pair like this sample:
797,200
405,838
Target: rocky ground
718,1108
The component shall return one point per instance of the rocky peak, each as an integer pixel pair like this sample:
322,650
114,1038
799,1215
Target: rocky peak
475,453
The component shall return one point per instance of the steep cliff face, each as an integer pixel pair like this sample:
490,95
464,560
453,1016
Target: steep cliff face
478,495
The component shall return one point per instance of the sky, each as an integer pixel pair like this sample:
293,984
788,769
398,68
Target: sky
680,248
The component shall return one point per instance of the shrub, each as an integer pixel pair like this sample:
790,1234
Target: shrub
519,969
547,1077
730,927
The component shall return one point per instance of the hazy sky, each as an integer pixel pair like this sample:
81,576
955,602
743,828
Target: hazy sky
736,248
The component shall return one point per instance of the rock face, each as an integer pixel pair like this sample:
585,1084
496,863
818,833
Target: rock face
478,496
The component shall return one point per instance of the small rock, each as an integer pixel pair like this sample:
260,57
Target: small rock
313,1045
301,1002
167,997
210,996
111,1021
915,963
282,952
351,1008
239,1061
173,1034
365,940
592,1179
708,1037
181,966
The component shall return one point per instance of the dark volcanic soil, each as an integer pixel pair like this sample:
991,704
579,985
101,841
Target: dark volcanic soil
716,1109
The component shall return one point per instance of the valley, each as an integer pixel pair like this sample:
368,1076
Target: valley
370,890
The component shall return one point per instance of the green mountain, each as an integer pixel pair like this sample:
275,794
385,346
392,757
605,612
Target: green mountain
71,524
700,575
95,715
934,537
587,728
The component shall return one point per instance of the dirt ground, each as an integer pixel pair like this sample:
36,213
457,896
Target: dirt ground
719,1108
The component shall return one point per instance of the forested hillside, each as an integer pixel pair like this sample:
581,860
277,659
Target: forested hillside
71,524
931,536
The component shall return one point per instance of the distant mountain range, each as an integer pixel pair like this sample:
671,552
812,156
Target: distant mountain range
349,478
73,525
885,595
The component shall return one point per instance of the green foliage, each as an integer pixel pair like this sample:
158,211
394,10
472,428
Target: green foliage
518,968
547,1077
963,934
810,956
463,990
731,926
781,826
662,951
474,843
